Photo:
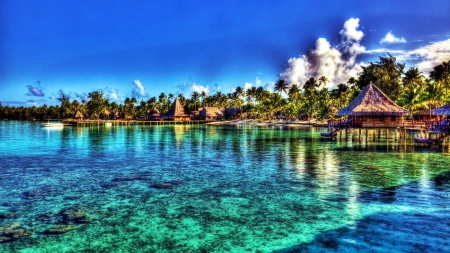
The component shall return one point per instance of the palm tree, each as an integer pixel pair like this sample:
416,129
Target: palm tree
96,104
323,80
281,86
294,93
181,98
432,94
441,73
129,107
352,81
151,103
251,94
311,83
195,96
413,78
162,99
409,98
311,95
234,97
343,92
203,96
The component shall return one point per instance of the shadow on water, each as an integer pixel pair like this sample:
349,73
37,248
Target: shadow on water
385,232
402,231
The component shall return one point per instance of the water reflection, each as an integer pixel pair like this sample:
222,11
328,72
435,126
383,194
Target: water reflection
262,188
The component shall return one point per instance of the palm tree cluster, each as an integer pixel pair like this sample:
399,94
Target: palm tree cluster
410,89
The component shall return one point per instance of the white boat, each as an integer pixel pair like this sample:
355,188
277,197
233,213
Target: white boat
52,124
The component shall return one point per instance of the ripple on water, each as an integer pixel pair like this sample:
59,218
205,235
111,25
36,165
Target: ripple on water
189,188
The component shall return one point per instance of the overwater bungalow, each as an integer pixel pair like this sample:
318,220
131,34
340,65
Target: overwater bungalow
211,113
176,112
372,108
154,114
424,114
443,110
78,116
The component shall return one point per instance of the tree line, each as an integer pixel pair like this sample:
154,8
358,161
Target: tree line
410,89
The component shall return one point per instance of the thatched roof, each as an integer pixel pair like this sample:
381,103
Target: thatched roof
176,109
212,112
230,112
154,111
423,111
443,110
372,102
78,114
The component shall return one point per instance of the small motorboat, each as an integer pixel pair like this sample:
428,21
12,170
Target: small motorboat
52,124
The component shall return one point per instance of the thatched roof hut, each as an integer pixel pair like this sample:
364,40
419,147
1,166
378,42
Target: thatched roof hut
232,112
176,112
154,114
424,113
211,113
443,110
371,108
372,102
78,115
154,111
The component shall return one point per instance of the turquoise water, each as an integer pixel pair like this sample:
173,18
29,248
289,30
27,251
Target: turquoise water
204,188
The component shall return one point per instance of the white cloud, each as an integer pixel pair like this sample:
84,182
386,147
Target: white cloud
391,39
257,81
270,87
199,88
247,86
139,91
337,63
428,56
384,51
112,94
350,30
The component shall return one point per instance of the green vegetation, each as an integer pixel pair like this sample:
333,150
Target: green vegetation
410,89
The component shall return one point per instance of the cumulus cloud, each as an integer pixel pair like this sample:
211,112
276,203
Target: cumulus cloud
247,86
139,91
350,30
111,94
337,63
391,39
428,56
188,87
35,91
199,88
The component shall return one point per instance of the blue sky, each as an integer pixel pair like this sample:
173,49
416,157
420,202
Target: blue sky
143,48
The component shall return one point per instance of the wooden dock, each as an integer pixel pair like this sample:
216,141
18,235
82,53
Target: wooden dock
87,123
358,133
434,135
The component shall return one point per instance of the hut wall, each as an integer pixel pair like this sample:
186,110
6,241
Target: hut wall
382,121
181,118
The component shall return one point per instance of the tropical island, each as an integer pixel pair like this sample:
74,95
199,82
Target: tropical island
410,89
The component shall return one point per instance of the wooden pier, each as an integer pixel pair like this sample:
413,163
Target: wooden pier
358,133
87,123
434,134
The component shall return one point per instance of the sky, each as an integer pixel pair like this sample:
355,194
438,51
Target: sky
142,48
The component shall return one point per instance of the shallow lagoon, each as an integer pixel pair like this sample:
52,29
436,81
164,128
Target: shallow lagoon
199,188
